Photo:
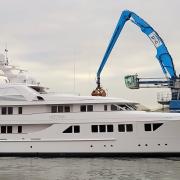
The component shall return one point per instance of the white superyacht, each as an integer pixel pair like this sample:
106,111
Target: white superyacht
35,122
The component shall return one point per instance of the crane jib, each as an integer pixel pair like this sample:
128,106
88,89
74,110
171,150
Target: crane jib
162,55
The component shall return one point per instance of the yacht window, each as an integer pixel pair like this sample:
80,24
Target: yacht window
19,129
40,98
121,107
113,107
19,110
3,110
76,129
125,107
3,129
109,128
10,110
105,107
102,128
156,125
6,110
129,127
66,109
121,127
72,129
54,109
89,107
132,107
83,108
60,108
68,130
147,127
152,127
94,128
9,129
39,89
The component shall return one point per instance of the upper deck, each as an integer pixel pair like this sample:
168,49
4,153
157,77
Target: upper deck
30,94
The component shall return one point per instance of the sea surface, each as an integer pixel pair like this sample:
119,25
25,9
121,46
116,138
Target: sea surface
15,168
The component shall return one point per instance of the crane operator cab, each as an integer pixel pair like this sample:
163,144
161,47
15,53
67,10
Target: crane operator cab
132,81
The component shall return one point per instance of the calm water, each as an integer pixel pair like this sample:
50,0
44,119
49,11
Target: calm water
89,168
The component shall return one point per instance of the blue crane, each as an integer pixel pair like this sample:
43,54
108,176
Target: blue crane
163,56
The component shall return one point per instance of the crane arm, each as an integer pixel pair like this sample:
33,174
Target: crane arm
162,55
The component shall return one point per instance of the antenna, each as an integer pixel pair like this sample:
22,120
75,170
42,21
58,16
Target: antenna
6,52
74,85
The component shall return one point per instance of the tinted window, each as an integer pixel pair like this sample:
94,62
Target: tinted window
54,109
121,128
10,110
105,107
147,127
3,129
60,108
102,128
94,128
19,110
19,129
76,129
83,108
9,129
3,110
113,108
89,107
68,130
39,98
132,106
123,107
129,127
156,126
67,109
110,128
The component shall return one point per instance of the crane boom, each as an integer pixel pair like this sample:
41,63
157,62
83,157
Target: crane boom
172,81
162,55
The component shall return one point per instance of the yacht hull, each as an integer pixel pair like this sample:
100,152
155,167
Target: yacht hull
121,133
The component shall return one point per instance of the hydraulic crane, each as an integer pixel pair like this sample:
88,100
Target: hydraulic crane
132,81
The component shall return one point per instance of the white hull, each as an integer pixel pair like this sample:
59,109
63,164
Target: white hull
51,140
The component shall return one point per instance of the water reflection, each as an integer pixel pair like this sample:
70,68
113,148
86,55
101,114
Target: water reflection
89,168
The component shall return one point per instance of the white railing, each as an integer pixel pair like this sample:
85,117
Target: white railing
164,97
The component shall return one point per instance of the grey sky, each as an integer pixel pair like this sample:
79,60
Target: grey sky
48,37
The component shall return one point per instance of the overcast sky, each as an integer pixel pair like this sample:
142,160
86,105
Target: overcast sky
49,37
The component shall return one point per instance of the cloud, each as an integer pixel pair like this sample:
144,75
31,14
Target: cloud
49,37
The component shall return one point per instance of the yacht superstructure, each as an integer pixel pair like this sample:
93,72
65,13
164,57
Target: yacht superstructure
36,122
